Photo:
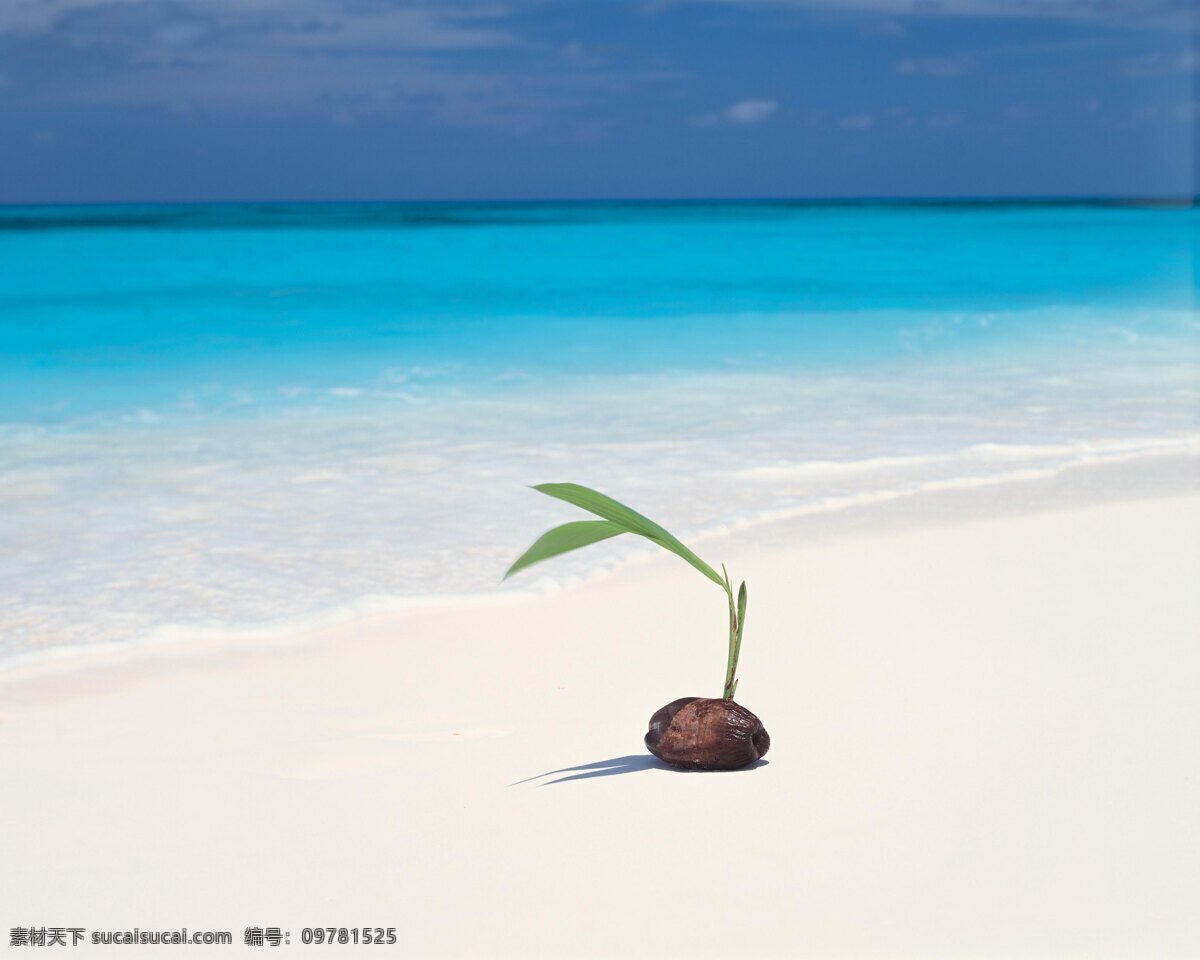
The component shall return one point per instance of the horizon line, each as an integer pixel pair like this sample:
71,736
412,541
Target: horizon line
1157,200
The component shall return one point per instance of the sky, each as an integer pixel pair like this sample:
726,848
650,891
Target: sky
258,100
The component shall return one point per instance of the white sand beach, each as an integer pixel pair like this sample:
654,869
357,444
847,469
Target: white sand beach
985,743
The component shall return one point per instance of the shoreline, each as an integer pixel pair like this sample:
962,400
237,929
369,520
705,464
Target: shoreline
265,514
1119,478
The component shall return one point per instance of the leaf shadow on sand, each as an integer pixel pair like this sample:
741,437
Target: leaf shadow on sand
632,763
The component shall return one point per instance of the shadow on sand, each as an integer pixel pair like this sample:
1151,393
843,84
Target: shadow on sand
614,767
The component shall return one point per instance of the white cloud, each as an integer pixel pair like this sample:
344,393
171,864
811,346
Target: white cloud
901,118
1145,14
1161,64
411,25
942,67
856,122
884,28
404,28
751,111
294,24
945,121
38,16
744,113
330,58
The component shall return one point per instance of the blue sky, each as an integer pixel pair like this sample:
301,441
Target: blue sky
153,100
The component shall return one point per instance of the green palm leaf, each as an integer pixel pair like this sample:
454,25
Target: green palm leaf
570,536
628,519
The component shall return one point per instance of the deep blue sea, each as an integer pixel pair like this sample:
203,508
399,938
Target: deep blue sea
226,415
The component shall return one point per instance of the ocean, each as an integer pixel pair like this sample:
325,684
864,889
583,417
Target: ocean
227,416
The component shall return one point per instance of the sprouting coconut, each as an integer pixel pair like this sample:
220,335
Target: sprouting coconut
693,733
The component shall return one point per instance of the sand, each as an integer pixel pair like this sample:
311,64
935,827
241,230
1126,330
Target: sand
986,743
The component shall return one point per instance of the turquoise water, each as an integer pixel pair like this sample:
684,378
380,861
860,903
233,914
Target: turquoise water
102,308
225,415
